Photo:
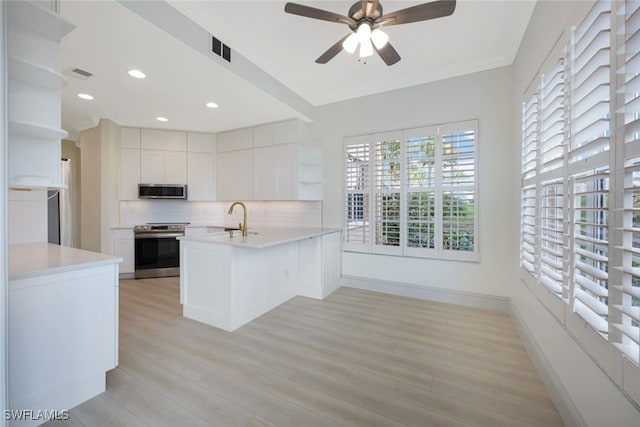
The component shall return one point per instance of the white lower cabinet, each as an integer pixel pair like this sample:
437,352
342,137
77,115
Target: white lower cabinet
319,265
124,246
63,338
227,286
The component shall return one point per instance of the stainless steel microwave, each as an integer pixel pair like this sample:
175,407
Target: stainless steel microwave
162,191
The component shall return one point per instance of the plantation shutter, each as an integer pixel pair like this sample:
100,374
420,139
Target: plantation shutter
551,240
552,108
530,142
591,248
357,182
459,190
530,138
386,191
422,213
590,83
627,318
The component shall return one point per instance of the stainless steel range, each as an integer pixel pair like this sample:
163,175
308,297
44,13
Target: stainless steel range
157,249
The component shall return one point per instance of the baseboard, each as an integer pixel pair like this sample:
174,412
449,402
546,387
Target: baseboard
557,392
469,299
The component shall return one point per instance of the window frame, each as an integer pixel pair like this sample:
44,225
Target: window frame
438,188
596,139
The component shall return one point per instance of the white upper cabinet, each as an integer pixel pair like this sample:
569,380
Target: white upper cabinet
129,138
153,139
152,156
200,166
275,133
200,142
175,141
274,172
282,167
163,158
234,175
33,95
175,167
239,139
129,173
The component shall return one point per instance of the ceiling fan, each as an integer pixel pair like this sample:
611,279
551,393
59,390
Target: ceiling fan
365,21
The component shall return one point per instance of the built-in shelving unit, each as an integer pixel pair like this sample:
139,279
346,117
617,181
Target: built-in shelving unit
34,86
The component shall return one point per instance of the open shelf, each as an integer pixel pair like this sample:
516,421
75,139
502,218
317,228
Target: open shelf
36,130
38,20
30,72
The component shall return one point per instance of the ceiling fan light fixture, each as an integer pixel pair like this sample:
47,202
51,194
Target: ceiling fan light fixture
364,32
379,38
351,43
366,49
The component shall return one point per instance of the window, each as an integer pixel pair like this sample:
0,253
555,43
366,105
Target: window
580,192
357,193
422,192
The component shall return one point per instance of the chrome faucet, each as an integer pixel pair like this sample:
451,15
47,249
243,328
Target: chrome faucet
243,226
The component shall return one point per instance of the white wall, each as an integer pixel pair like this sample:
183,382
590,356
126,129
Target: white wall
583,394
486,96
90,190
99,190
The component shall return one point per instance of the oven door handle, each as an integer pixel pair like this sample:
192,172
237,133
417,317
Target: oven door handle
157,235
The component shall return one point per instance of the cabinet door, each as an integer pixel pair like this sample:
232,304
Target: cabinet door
123,246
199,142
244,174
200,176
285,172
174,140
151,139
285,132
129,138
239,139
263,136
175,167
129,173
152,166
264,172
234,175
225,176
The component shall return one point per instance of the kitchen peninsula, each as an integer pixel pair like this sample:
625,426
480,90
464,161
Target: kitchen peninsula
63,325
228,281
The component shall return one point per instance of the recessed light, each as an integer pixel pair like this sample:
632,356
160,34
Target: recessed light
212,105
162,119
85,96
137,74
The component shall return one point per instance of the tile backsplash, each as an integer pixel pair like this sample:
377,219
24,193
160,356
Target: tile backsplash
260,213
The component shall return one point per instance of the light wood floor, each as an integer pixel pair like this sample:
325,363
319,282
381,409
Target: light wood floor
357,358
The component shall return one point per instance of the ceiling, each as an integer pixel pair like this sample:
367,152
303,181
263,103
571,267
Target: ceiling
110,39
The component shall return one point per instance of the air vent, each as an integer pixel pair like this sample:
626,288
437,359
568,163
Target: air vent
81,74
220,49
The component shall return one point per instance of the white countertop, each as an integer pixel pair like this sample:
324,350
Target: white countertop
261,237
37,259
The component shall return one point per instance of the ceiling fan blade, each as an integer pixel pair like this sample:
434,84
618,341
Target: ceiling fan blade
364,7
332,51
312,12
388,54
421,12
373,7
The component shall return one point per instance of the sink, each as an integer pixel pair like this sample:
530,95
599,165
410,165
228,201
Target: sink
236,232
